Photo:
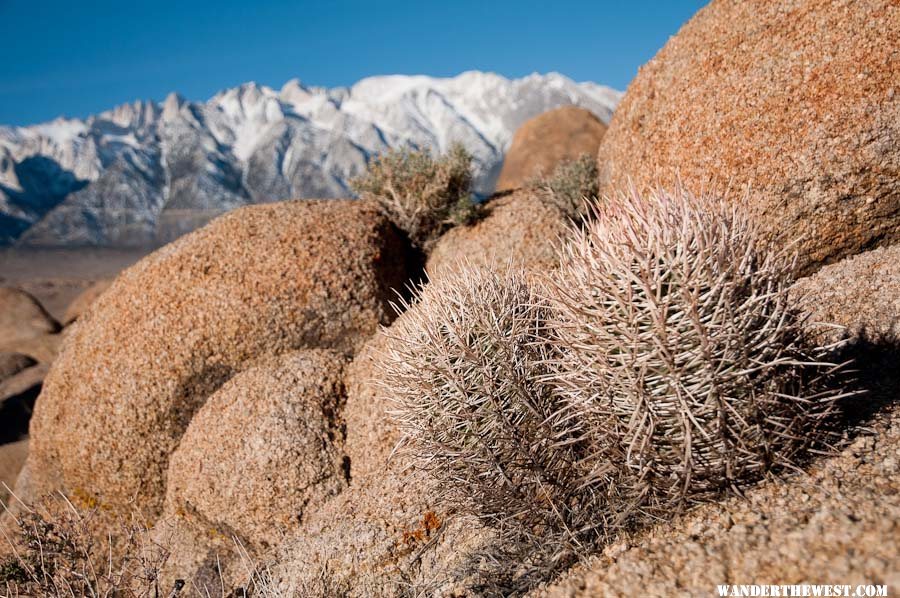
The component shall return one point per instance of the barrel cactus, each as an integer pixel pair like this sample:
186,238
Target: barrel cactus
680,352
464,367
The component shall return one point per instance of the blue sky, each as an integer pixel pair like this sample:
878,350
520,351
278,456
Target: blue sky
76,58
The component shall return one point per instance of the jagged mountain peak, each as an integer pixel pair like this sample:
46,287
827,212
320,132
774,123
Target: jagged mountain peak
172,106
138,114
146,171
294,92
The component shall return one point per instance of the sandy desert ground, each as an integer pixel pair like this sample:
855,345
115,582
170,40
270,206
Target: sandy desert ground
56,276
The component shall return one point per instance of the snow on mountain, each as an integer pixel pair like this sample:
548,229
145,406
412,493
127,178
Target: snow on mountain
146,172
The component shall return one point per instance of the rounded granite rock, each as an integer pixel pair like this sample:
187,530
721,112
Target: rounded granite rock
42,348
84,300
792,106
544,141
389,530
12,458
518,228
13,363
172,329
22,317
858,295
265,449
258,458
372,434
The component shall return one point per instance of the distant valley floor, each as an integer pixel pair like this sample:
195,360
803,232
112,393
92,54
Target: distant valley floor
56,276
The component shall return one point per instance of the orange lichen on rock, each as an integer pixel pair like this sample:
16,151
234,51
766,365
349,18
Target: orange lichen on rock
430,523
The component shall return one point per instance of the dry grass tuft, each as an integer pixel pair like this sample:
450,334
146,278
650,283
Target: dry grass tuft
56,552
422,195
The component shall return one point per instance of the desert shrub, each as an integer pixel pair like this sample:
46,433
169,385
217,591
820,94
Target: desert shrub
679,350
55,553
571,187
59,551
422,195
464,367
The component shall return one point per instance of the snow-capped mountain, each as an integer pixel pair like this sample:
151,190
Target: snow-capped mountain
146,172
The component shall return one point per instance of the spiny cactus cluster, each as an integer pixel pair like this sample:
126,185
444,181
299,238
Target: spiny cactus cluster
679,352
422,195
660,365
466,378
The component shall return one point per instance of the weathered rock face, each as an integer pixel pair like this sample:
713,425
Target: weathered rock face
12,457
84,300
264,449
546,140
861,293
842,517
383,535
388,530
519,228
794,103
13,363
22,317
172,329
371,432
261,454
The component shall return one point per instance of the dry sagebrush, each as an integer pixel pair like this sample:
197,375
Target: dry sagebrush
678,349
422,195
464,368
571,187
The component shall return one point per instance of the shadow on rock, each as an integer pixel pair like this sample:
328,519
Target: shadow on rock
875,360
